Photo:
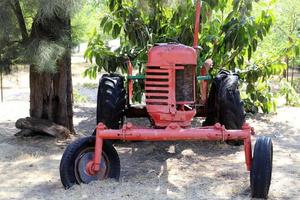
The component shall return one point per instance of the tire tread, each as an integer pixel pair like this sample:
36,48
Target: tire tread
111,101
261,169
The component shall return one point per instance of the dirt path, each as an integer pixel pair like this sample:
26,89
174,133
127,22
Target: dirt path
161,170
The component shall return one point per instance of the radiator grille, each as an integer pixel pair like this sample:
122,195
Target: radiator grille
185,81
157,86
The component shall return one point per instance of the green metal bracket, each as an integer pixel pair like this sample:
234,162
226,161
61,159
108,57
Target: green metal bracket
136,77
203,78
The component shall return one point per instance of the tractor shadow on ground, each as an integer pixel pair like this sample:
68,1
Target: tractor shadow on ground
181,166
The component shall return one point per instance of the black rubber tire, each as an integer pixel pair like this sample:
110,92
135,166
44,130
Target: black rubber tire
224,103
72,152
111,101
261,169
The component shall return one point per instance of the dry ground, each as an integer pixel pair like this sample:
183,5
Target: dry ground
160,170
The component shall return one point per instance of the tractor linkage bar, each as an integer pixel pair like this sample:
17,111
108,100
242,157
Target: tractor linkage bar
171,133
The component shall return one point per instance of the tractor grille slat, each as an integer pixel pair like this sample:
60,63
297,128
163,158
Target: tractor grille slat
157,101
162,77
151,88
157,86
156,71
156,94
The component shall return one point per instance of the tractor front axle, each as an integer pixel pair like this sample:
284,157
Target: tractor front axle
170,133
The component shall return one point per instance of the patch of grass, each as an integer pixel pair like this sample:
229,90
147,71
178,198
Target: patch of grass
90,85
78,98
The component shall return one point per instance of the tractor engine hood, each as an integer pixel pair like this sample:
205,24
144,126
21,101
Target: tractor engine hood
171,54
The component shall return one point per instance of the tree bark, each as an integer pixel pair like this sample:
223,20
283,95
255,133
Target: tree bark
62,84
51,94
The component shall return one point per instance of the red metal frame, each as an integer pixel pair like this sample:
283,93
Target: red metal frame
197,23
204,86
130,81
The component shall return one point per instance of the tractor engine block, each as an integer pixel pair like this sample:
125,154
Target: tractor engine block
170,84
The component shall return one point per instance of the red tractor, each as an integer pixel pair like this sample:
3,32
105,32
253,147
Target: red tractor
171,104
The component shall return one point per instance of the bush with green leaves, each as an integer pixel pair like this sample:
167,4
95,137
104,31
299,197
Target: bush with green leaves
291,95
230,34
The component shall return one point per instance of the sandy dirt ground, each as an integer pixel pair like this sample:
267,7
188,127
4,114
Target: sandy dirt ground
149,170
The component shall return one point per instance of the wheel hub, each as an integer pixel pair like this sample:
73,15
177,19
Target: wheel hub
83,175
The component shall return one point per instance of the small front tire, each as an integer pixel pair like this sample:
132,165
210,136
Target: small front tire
261,169
78,154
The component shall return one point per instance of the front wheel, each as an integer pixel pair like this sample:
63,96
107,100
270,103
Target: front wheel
76,157
261,169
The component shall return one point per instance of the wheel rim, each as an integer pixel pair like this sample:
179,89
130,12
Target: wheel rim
86,155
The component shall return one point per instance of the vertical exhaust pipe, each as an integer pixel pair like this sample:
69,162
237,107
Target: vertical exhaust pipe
197,23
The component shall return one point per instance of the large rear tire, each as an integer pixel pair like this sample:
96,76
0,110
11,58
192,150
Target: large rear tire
224,103
78,154
111,101
261,169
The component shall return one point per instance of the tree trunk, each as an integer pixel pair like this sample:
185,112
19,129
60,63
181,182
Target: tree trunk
293,66
51,95
20,17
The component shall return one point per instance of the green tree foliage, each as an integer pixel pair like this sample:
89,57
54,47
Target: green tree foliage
19,41
276,53
86,19
230,34
7,35
285,34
